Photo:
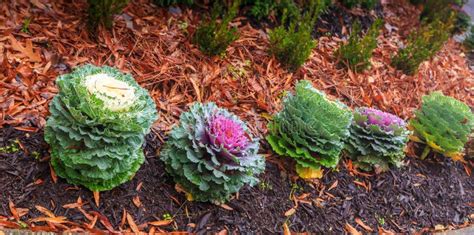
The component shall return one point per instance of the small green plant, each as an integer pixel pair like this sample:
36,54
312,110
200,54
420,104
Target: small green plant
380,220
11,148
97,126
103,11
443,124
422,44
213,37
357,52
25,27
264,185
377,139
292,45
165,3
36,155
212,154
167,216
310,129
368,4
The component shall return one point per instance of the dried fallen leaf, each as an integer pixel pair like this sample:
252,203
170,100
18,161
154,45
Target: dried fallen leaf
227,207
363,225
161,223
96,198
124,218
45,211
104,221
13,210
286,230
136,201
334,185
54,220
351,230
132,224
54,177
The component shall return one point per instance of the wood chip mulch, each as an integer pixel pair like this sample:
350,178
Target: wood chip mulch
155,46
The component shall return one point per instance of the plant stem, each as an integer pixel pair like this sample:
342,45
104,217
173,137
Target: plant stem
425,153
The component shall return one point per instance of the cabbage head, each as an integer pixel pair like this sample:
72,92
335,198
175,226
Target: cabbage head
310,129
212,154
377,139
97,127
443,124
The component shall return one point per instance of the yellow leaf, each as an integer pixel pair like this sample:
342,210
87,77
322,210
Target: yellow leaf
434,146
309,173
415,138
290,212
189,197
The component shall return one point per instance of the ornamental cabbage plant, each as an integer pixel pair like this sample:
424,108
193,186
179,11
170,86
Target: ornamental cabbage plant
212,154
311,129
443,124
97,126
377,139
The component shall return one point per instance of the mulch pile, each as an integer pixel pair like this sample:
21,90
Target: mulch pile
154,45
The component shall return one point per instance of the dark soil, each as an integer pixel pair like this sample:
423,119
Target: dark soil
420,195
327,25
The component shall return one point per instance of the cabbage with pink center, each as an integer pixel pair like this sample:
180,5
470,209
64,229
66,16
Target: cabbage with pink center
212,154
377,139
227,133
386,121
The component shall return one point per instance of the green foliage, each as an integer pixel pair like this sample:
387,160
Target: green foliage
377,139
469,40
437,9
422,45
213,37
368,4
292,45
357,52
165,3
443,124
95,136
206,168
260,8
462,22
310,128
103,11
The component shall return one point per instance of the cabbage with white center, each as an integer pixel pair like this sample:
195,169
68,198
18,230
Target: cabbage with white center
97,127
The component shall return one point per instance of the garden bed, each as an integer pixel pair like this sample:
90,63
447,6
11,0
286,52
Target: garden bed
418,197
154,45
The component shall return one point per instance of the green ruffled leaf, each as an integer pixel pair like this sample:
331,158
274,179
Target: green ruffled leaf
310,128
443,123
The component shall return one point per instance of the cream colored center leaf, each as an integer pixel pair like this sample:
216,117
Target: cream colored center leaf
116,95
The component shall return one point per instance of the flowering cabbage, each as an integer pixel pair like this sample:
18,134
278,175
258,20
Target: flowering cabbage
310,128
377,139
211,153
97,126
443,124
